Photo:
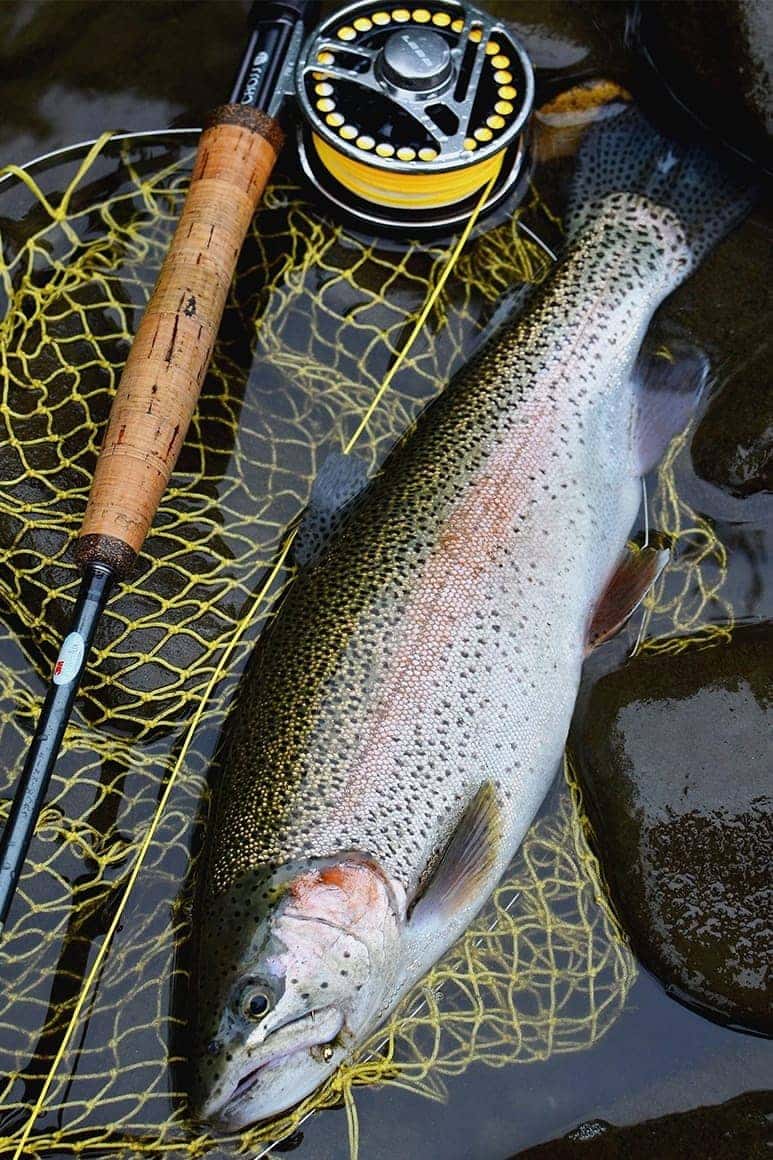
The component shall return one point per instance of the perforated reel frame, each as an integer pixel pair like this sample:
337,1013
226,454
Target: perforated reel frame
407,113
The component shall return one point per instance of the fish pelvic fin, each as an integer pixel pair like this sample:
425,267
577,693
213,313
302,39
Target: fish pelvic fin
626,155
636,572
669,376
466,863
339,481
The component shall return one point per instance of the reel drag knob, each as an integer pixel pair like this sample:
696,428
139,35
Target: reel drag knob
416,60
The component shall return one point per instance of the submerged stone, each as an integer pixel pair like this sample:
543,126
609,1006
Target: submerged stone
725,308
733,446
726,1131
715,56
674,754
556,36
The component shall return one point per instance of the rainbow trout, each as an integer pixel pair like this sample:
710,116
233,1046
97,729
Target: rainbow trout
407,709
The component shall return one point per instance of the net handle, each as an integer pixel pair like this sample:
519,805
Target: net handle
173,345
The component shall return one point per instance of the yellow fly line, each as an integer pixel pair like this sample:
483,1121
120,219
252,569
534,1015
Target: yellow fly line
422,189
241,628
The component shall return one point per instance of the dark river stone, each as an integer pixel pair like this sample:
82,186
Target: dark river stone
674,754
733,446
729,1131
715,56
727,305
566,42
71,71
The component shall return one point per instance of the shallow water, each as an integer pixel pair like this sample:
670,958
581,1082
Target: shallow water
654,1056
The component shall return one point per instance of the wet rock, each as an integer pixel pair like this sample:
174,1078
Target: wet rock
674,753
725,308
70,71
738,1128
716,56
566,41
726,303
733,446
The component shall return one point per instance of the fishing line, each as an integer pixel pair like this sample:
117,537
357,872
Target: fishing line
241,628
144,847
160,383
645,612
646,543
431,300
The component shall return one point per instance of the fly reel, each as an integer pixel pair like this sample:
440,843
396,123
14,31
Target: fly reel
408,113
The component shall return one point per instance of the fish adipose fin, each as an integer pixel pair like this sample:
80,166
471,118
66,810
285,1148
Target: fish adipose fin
625,155
636,572
670,378
466,862
339,481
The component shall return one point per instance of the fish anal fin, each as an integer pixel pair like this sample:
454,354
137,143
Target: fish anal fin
339,481
670,379
636,572
466,862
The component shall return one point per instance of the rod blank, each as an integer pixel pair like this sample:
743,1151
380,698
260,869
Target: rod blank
94,591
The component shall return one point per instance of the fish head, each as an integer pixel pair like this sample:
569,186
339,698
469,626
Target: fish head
294,968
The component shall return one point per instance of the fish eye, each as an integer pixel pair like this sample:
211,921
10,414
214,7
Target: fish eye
255,1001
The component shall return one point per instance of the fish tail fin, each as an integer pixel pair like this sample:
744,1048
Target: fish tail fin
626,154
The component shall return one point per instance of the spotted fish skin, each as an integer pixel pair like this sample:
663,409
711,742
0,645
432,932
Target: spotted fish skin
436,644
422,653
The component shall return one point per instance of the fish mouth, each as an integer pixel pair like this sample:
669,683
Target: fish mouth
248,1081
323,1025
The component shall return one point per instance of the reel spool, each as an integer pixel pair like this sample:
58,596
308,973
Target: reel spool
409,112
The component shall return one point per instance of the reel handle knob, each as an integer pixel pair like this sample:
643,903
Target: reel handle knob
173,345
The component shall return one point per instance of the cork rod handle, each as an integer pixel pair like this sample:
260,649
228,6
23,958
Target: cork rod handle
172,348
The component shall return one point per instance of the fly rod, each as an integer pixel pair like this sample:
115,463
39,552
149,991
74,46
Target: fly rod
162,378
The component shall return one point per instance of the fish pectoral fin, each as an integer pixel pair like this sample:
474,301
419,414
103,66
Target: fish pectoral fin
636,572
670,377
339,481
466,862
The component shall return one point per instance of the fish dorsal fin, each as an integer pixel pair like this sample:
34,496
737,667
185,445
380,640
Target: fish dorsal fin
636,572
339,481
670,379
466,862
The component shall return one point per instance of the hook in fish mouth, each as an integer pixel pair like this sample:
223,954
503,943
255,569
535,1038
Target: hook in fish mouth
322,1026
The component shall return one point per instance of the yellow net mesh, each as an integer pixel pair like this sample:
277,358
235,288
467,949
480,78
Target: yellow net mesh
687,607
312,328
